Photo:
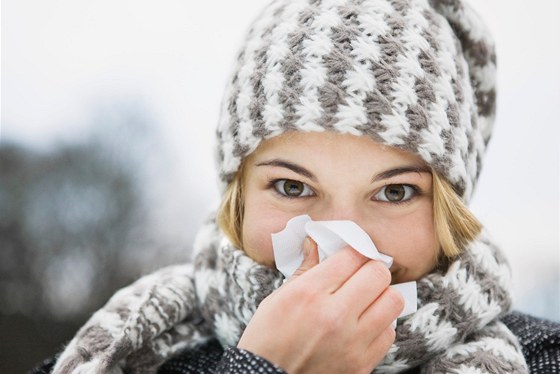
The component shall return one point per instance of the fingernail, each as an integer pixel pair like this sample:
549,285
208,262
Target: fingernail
307,246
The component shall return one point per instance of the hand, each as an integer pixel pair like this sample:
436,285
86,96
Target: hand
330,317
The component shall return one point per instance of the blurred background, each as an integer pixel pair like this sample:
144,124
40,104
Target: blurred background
108,110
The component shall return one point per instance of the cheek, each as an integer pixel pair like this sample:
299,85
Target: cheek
259,222
410,240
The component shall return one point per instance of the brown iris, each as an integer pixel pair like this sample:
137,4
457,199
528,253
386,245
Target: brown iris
293,188
395,192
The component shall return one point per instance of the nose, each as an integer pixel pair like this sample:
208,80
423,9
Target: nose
340,208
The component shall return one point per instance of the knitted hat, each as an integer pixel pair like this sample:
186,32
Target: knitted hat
418,75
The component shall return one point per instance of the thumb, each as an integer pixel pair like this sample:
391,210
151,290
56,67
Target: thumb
310,257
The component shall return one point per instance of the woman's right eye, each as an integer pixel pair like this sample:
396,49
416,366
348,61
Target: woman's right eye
292,188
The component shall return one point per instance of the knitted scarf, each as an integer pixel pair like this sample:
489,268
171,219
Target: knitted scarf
455,329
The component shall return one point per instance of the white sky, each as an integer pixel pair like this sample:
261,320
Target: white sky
62,57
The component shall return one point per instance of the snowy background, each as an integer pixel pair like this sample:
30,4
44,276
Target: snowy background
135,86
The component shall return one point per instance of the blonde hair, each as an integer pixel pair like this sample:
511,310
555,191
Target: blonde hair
231,210
454,224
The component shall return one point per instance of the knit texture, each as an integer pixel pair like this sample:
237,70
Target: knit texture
209,357
418,75
455,329
540,339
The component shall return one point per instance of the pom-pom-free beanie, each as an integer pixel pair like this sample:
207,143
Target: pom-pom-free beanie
418,75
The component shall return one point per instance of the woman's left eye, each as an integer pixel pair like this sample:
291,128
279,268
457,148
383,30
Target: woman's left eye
396,193
292,188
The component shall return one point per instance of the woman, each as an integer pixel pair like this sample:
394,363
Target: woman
376,112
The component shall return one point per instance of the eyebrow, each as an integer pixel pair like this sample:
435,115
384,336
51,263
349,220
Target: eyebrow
291,166
306,173
398,171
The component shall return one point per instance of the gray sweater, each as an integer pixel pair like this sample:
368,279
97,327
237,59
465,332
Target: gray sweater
539,338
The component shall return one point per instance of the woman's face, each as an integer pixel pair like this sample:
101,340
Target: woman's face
331,176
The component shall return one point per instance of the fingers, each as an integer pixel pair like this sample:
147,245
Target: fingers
384,310
356,281
310,257
337,269
365,286
379,347
378,318
336,315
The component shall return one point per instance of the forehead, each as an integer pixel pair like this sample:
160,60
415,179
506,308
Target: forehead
331,147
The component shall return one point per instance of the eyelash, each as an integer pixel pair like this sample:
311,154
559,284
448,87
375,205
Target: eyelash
416,191
272,185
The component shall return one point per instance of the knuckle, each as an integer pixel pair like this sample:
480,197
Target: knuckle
388,336
394,299
380,272
381,346
352,255
304,294
332,319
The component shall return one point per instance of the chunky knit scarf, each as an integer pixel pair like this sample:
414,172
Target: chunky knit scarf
455,329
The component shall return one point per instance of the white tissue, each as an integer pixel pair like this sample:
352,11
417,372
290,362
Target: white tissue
331,236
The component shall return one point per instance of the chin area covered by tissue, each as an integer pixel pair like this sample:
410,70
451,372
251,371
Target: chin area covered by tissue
331,236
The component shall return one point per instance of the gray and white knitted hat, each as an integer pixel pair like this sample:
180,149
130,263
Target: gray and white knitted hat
418,75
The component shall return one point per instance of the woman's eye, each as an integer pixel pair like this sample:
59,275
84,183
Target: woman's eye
396,193
292,188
